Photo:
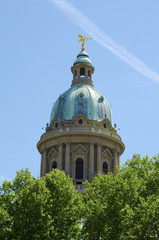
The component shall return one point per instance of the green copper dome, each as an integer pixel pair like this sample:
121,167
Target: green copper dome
83,57
81,98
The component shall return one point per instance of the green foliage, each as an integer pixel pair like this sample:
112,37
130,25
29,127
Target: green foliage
63,206
5,223
45,208
120,207
124,206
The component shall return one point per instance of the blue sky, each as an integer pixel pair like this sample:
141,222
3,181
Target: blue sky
38,44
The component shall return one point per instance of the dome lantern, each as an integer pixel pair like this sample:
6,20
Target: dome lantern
82,68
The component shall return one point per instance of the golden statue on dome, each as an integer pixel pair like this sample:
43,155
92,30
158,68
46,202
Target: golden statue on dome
83,39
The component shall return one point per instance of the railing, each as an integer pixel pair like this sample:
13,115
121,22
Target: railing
81,129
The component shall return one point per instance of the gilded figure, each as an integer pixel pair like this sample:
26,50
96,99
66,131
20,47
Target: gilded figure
83,40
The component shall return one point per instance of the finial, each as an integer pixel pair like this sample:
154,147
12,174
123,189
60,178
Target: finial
83,39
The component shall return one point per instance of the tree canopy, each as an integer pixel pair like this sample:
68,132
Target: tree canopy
122,206
45,208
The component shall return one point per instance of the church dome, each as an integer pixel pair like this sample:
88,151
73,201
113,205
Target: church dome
81,98
80,138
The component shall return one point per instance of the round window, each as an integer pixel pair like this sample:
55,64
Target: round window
105,126
80,121
56,125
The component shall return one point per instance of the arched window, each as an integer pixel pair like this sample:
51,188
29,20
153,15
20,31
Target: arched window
82,71
54,165
79,168
105,168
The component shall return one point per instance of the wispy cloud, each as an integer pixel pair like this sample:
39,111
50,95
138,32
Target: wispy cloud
94,31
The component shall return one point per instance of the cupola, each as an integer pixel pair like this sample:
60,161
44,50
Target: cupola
82,68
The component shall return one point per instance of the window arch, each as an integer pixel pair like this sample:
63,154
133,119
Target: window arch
79,168
105,168
82,71
54,165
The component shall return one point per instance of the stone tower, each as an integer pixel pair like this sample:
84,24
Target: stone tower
80,138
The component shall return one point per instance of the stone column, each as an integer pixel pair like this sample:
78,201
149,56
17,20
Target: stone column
59,162
115,161
41,167
78,74
44,155
85,166
91,163
86,75
99,170
91,78
73,167
118,159
67,163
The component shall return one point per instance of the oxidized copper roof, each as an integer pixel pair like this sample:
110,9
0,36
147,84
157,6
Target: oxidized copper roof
81,98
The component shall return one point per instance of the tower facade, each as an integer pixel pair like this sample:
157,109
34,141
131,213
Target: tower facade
80,138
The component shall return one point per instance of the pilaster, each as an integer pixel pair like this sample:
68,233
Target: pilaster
99,170
67,163
41,167
86,75
78,74
115,161
91,162
59,162
44,160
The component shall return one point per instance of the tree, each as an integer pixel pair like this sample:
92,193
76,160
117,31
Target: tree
45,208
120,207
64,206
124,206
5,224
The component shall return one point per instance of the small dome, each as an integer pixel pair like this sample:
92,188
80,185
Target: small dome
81,98
83,57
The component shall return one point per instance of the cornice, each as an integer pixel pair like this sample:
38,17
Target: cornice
49,138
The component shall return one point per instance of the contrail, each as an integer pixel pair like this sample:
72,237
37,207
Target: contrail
94,31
